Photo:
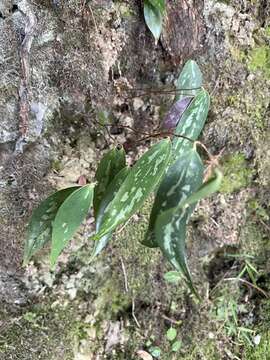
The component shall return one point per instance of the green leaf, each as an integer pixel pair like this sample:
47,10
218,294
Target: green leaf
111,163
189,78
69,217
155,351
171,334
208,188
170,232
170,228
109,195
159,4
153,19
176,346
173,277
40,226
183,177
192,122
141,181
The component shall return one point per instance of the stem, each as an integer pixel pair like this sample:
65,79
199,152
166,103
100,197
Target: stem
160,91
249,284
148,135
210,156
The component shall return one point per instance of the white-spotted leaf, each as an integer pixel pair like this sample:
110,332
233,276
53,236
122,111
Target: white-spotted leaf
153,18
183,177
39,230
189,78
208,188
69,217
192,123
170,233
111,163
170,228
141,181
108,196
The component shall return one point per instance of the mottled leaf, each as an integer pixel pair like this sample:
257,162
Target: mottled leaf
141,181
113,187
189,78
153,19
170,228
207,189
183,177
170,233
69,217
175,113
111,163
40,226
192,123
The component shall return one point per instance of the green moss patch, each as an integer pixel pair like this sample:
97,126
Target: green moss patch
236,174
261,351
260,60
41,333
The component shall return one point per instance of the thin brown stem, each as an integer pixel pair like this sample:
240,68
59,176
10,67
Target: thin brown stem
249,284
160,91
171,320
210,156
148,135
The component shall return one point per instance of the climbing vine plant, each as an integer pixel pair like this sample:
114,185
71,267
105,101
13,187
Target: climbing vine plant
172,168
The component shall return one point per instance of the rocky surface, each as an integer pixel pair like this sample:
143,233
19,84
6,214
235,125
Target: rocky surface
83,58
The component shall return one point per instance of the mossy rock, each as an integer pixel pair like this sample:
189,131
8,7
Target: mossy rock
237,174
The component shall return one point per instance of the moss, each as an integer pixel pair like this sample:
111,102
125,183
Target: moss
204,350
57,165
257,210
254,241
112,300
42,332
262,350
259,59
125,10
259,352
236,174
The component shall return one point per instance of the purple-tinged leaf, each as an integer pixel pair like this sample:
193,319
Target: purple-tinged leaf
175,113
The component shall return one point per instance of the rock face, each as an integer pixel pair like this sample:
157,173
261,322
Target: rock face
62,63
